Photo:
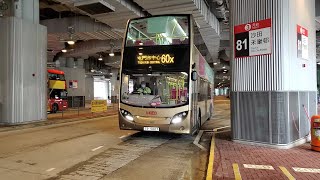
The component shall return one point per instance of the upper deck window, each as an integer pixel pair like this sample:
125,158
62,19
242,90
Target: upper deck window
52,76
160,30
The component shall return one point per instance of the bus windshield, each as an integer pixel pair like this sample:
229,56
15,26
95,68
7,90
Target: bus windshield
159,89
161,30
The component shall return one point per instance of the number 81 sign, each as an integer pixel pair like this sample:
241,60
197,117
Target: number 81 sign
252,39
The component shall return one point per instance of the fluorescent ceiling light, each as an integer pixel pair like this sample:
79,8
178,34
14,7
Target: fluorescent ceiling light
215,63
64,50
129,37
179,27
111,54
165,35
140,54
100,59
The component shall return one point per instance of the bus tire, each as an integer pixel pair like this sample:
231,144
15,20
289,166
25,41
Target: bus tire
210,112
198,122
197,125
55,108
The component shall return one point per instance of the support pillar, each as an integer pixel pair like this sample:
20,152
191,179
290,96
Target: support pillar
273,95
62,62
70,62
80,63
114,85
23,46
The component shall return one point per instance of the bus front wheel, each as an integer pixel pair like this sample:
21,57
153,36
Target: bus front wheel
199,121
55,108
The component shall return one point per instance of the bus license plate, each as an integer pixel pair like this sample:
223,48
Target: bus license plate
151,129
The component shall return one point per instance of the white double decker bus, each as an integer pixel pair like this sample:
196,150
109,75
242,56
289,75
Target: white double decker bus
166,84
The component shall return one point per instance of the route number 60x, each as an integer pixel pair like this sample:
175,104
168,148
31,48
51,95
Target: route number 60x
240,44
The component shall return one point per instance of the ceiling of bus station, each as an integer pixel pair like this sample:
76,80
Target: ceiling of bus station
99,26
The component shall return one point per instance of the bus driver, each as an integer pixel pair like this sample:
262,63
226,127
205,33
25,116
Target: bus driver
144,89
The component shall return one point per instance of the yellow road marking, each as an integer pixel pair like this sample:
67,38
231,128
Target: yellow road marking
309,170
287,173
253,166
236,171
211,159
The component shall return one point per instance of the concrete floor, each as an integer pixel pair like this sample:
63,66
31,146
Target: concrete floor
97,149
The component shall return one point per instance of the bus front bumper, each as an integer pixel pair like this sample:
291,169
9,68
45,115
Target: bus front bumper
180,128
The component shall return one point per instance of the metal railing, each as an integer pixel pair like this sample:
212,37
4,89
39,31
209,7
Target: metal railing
78,107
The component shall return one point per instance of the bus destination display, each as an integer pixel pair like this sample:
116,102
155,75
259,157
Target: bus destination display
155,59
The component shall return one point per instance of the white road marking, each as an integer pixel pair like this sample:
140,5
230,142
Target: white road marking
252,166
216,129
97,148
197,139
122,136
51,169
113,159
309,170
125,136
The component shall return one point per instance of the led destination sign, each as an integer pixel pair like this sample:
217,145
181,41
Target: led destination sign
155,59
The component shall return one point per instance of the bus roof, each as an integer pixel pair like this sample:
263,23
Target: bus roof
55,71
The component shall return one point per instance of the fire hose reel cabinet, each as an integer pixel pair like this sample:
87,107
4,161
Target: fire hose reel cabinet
315,133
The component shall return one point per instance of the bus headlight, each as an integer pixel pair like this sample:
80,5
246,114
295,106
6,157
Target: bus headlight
129,117
178,118
126,115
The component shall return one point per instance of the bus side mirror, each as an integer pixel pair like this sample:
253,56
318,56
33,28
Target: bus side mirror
194,75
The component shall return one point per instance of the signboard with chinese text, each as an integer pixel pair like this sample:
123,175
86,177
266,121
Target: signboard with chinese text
73,84
155,59
98,106
252,39
302,42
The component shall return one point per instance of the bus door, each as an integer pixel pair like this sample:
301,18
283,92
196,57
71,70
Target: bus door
205,114
194,103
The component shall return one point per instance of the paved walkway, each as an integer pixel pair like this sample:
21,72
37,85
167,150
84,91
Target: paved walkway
238,161
256,162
